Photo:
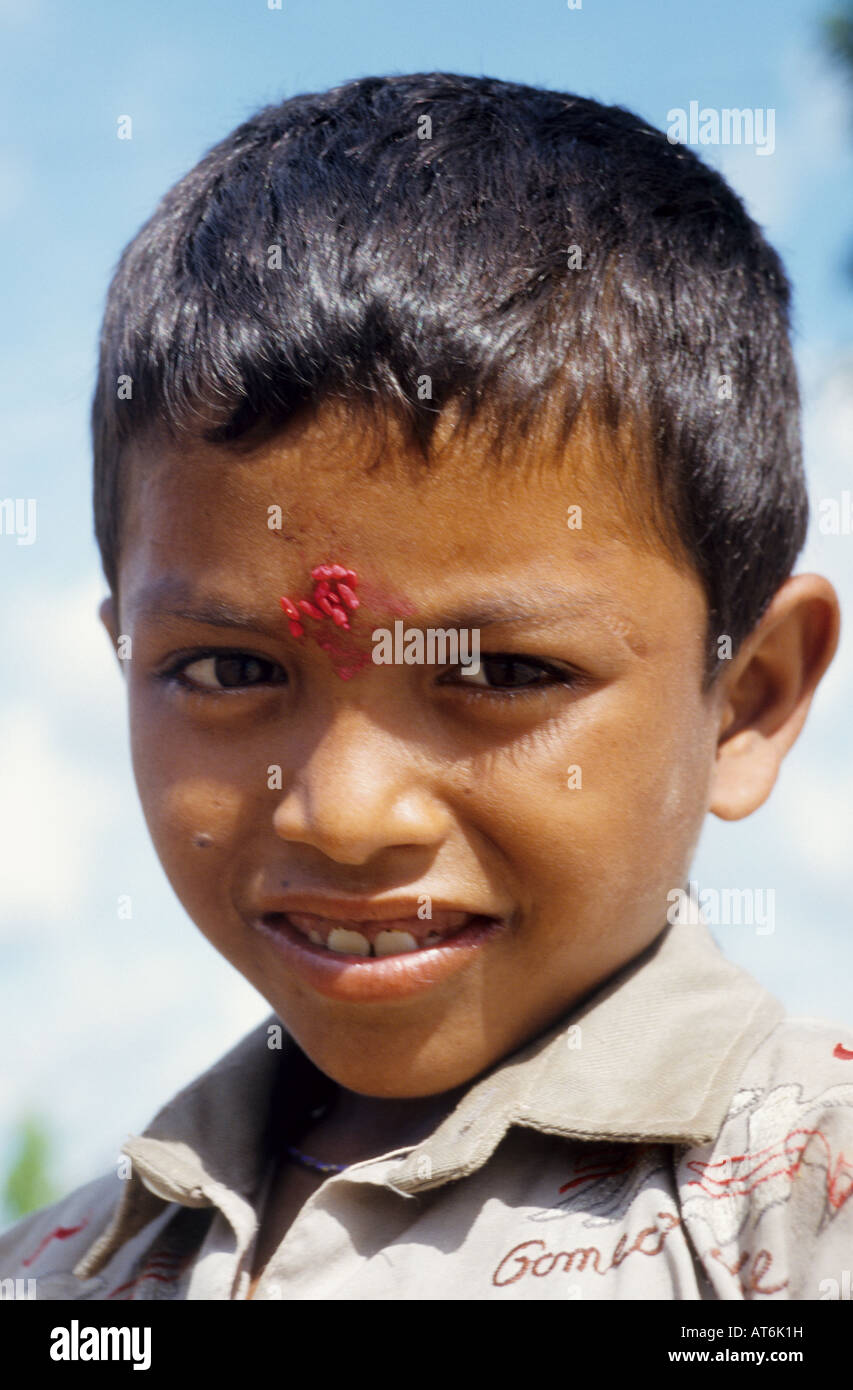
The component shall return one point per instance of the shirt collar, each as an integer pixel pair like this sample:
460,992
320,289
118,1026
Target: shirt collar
652,1056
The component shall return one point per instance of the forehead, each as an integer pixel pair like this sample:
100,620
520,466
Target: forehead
341,487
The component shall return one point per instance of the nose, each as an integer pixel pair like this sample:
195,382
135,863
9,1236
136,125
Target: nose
359,793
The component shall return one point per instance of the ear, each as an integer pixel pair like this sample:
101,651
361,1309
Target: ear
765,696
108,614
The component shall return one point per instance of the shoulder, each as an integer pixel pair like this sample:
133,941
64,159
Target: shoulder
772,1192
800,1075
45,1245
808,1049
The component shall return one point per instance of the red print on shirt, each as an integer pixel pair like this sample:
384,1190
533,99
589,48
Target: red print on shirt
762,1260
594,1172
164,1268
744,1173
59,1233
533,1258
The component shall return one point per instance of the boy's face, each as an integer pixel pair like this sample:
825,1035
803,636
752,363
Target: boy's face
566,808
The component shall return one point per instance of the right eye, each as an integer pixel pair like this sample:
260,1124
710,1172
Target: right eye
214,672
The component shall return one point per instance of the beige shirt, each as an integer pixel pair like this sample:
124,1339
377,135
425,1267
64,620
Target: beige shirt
675,1137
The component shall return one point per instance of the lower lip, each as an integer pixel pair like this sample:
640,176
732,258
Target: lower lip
357,979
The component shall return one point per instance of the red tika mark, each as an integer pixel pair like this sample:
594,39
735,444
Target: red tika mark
61,1233
347,664
775,1160
334,597
840,1051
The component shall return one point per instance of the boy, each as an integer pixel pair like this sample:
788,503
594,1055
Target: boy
436,354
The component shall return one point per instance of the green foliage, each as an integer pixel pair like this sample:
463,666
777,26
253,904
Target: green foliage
838,36
28,1184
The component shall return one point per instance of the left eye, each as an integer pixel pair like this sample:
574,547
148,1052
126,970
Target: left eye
509,672
227,671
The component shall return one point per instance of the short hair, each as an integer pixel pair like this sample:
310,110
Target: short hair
524,251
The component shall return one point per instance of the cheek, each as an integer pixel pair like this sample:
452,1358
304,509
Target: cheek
657,797
195,819
608,802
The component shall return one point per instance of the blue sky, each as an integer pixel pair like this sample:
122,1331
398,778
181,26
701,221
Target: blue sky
101,1020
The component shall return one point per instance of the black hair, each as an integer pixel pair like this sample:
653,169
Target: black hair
522,251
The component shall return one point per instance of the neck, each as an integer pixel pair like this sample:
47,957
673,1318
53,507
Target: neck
357,1127
352,1127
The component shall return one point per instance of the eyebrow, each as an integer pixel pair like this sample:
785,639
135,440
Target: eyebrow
173,599
586,606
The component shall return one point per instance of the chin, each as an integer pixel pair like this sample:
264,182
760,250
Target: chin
381,1078
382,1083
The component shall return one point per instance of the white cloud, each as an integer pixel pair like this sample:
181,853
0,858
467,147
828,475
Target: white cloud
828,429
59,798
811,138
828,447
51,813
61,648
814,814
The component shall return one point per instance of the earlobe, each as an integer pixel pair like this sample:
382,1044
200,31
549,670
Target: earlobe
744,775
769,690
109,617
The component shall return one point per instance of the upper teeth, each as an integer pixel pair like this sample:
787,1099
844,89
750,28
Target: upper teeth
341,939
393,943
385,943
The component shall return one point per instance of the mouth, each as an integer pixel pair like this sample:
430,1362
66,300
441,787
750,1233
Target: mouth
376,958
355,937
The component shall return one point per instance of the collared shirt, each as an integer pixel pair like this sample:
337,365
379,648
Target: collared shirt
674,1137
